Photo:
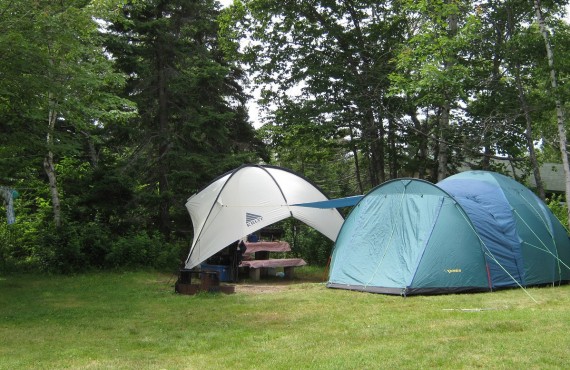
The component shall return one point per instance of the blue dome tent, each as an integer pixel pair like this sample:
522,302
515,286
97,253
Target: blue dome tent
527,244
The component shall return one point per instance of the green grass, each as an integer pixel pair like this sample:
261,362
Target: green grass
135,321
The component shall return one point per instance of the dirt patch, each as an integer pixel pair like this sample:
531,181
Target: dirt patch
260,289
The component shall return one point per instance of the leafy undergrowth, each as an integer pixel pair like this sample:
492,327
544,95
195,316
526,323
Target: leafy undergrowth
135,320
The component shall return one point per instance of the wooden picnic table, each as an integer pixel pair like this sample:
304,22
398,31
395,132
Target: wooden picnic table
262,261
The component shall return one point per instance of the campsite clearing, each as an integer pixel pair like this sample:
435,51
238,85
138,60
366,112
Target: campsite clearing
135,320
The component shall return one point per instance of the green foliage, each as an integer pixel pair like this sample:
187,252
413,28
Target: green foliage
307,243
138,249
80,247
428,65
18,247
148,111
352,75
559,207
20,243
150,105
61,250
322,73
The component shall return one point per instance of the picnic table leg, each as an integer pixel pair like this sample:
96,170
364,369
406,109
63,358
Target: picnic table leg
254,274
288,271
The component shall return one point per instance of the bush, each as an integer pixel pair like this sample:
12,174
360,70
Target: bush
78,248
15,253
559,207
19,244
140,249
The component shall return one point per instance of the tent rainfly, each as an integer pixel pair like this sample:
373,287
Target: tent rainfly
405,237
527,245
248,199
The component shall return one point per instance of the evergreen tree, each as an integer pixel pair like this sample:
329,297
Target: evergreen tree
193,121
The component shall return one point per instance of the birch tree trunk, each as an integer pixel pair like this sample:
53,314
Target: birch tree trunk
559,107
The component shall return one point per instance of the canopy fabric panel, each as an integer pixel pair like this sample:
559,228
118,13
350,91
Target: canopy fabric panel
248,199
333,203
408,237
515,225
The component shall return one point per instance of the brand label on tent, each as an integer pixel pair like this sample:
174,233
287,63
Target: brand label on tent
251,219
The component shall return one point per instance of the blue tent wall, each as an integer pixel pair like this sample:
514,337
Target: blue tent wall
491,214
408,237
522,234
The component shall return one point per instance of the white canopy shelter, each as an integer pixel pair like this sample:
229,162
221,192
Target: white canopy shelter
248,199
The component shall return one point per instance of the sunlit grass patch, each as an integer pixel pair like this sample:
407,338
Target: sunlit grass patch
135,320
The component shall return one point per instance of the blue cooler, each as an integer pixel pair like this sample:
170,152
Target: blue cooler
223,271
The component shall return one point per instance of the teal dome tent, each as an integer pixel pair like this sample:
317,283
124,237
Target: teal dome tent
406,237
474,231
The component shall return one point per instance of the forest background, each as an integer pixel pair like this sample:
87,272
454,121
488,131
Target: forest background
114,112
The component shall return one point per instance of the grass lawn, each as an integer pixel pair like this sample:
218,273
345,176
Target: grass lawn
135,321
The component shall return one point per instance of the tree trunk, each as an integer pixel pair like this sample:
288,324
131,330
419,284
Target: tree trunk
442,145
7,194
528,136
357,171
376,150
49,166
445,112
94,157
393,153
354,149
380,149
423,134
526,111
163,189
559,107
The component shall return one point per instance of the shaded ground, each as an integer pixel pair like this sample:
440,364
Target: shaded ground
274,284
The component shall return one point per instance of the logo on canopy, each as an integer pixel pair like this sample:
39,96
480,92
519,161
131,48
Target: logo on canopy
251,219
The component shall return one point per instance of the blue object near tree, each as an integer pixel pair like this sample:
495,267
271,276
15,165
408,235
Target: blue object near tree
8,195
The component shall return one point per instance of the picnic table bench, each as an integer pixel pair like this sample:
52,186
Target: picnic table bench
255,247
262,261
288,265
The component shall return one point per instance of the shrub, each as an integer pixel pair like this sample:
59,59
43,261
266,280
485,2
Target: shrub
15,255
139,249
559,208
